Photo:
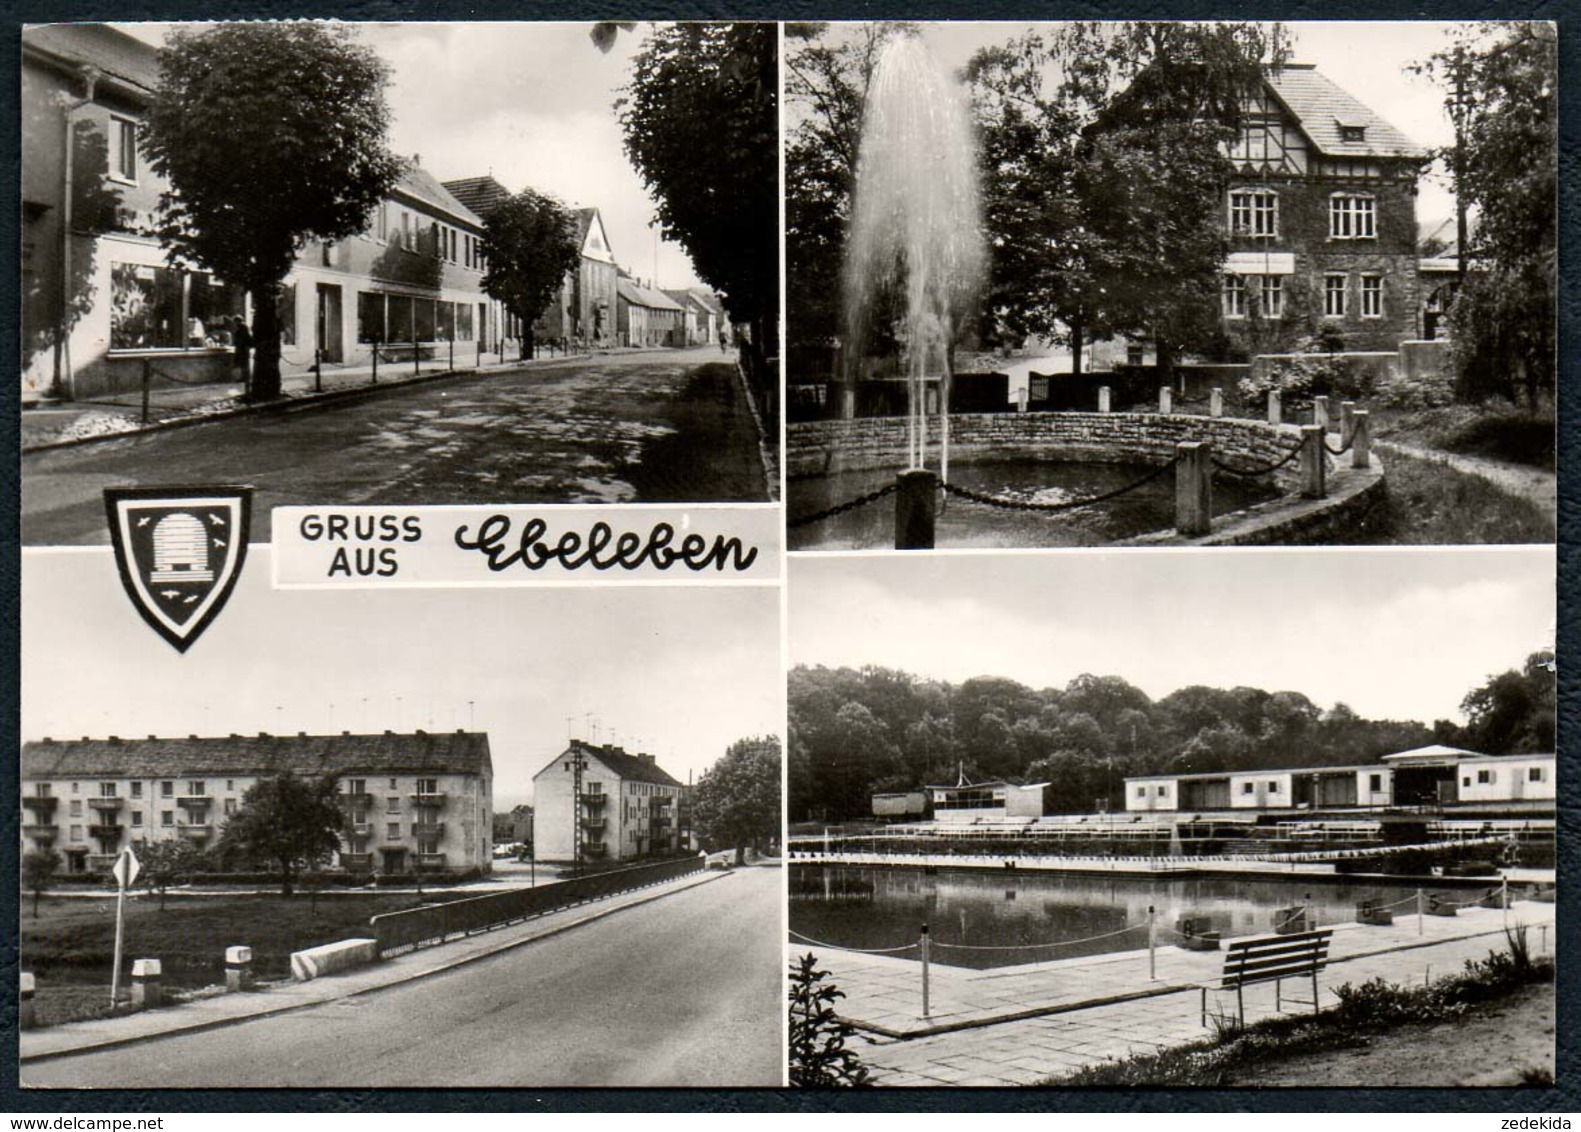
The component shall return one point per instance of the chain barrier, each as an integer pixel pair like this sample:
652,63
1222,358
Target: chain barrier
1048,508
1342,449
1249,473
1035,946
859,950
841,509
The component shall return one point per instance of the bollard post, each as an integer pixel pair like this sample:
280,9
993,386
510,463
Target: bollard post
318,371
417,357
238,969
1275,411
148,381
1314,466
1194,488
1421,912
1320,412
375,352
26,1018
847,402
1504,900
1103,398
930,399
452,353
1347,422
914,509
1152,943
924,946
1166,400
1216,402
145,984
480,349
1021,400
1361,446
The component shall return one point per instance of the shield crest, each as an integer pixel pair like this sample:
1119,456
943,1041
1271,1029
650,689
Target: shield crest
179,551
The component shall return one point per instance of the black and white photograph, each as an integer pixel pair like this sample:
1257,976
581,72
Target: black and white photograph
1123,820
456,838
1086,284
398,263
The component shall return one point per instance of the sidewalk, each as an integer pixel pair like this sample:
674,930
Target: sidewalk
120,414
229,1009
1020,1025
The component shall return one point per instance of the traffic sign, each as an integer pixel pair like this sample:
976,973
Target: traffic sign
126,868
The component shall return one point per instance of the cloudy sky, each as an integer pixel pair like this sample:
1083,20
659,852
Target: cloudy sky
1369,60
681,672
1394,633
530,103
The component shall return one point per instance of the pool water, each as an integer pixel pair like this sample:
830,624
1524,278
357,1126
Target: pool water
1150,507
879,908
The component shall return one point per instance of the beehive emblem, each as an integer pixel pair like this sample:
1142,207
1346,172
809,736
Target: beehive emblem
179,551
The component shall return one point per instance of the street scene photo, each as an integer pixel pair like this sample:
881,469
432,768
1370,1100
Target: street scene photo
1153,283
1116,820
447,838
538,264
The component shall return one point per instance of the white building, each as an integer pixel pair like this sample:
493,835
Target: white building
627,807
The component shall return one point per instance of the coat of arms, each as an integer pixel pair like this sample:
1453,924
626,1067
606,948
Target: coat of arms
180,551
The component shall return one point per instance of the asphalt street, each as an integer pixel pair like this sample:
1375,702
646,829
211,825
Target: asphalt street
683,991
651,427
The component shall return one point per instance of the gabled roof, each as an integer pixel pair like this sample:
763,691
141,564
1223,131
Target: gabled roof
120,57
644,296
619,761
457,752
1433,754
1322,107
479,194
421,185
707,301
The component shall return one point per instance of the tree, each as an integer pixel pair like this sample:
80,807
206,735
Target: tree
168,862
39,867
1501,93
1104,168
737,800
290,822
1515,712
529,242
701,124
271,135
818,1057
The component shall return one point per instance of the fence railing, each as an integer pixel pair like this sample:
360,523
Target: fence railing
434,923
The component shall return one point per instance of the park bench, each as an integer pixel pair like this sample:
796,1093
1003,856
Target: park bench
1270,959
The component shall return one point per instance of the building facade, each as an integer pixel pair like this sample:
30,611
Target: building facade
411,801
1321,218
101,304
623,805
647,317
586,309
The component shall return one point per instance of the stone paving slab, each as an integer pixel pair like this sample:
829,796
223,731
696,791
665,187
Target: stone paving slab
228,1009
1034,1049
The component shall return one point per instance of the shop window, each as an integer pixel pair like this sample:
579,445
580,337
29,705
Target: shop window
370,317
423,316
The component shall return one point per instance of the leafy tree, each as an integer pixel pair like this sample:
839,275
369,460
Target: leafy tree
701,124
737,800
290,822
1515,712
39,867
1501,92
530,244
271,135
168,862
818,1057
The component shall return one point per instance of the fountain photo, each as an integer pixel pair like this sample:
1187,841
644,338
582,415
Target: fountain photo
1121,820
1085,284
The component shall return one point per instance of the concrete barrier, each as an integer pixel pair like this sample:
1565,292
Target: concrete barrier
333,957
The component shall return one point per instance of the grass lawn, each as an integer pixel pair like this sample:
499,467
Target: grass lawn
1430,504
73,939
1493,432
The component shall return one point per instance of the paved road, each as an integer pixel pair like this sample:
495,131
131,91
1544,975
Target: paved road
652,427
683,991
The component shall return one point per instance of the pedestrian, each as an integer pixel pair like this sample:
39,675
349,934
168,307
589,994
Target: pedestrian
242,347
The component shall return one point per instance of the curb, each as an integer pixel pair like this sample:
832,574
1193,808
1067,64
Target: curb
220,1023
771,475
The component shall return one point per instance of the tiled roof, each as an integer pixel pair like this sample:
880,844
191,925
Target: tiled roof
708,301
456,752
113,52
645,296
479,194
421,185
625,764
1322,107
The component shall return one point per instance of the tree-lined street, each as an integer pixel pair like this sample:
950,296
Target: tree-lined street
657,426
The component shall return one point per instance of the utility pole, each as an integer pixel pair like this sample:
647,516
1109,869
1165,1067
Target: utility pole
578,763
1458,118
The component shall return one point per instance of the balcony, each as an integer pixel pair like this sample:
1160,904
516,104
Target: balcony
102,862
42,832
356,862
42,806
593,797
660,801
193,801
107,832
106,805
433,829
433,801
197,831
592,823
595,850
429,860
658,821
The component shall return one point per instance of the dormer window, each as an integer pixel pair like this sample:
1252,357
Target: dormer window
1351,129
